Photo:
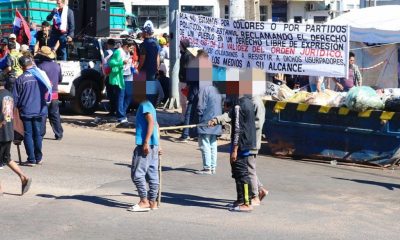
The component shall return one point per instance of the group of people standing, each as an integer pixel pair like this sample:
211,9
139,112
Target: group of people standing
320,83
127,66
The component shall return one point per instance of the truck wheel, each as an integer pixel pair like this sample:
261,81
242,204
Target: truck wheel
87,98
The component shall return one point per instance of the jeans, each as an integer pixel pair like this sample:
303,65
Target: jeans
54,119
62,50
255,181
241,175
128,96
33,138
145,168
119,95
185,133
208,147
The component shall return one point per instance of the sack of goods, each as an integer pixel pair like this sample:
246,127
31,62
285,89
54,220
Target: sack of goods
393,104
364,98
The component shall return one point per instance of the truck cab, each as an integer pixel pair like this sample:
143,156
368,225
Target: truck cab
83,81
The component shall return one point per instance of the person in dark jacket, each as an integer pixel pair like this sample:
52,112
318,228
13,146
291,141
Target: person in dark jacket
149,61
63,27
29,98
209,106
53,70
184,60
243,139
192,71
7,136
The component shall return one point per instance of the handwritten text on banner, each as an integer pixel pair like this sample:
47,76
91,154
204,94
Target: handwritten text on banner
298,49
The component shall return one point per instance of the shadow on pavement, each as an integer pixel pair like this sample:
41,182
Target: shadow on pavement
389,186
123,164
90,199
195,201
167,169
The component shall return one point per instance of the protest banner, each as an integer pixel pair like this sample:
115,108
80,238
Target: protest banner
290,48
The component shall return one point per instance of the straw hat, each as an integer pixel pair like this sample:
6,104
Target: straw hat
47,52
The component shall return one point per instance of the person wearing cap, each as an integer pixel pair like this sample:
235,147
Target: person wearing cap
30,99
53,70
13,69
63,27
149,61
13,38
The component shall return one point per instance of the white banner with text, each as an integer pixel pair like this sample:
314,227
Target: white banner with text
290,48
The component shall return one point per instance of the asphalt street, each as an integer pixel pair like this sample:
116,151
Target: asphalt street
83,189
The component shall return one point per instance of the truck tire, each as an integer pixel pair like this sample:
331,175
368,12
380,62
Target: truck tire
87,98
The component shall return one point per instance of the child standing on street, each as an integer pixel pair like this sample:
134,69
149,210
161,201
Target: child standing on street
145,157
209,106
243,139
7,136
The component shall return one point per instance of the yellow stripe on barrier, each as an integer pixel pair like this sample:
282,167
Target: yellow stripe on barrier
365,114
344,111
324,109
302,107
279,106
387,115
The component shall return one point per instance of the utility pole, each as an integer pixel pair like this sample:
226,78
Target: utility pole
237,9
173,101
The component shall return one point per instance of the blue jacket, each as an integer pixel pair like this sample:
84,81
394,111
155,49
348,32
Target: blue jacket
29,96
209,106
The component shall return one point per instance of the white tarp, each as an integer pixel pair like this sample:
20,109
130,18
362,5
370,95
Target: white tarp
373,25
289,48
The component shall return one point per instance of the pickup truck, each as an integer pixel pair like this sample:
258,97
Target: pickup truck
83,81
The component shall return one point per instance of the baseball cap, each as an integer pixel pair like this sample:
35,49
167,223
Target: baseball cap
12,36
148,27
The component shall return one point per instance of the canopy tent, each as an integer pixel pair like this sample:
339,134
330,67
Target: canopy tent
375,25
372,25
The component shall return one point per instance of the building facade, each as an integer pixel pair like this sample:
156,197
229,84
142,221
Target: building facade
294,11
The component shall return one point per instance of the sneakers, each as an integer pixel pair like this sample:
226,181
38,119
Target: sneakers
183,140
124,120
204,172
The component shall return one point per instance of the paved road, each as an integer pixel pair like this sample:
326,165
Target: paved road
84,187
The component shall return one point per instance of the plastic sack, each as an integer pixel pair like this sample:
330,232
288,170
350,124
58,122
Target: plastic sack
284,93
393,104
299,97
339,100
363,98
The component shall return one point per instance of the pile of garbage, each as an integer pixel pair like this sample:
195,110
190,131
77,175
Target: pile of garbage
357,99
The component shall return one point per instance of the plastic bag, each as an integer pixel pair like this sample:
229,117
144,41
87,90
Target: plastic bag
339,100
393,104
299,97
363,98
284,93
322,98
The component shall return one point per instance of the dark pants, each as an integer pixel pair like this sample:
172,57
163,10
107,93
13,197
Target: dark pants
10,84
62,50
119,96
33,138
185,133
110,89
240,173
128,95
54,119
